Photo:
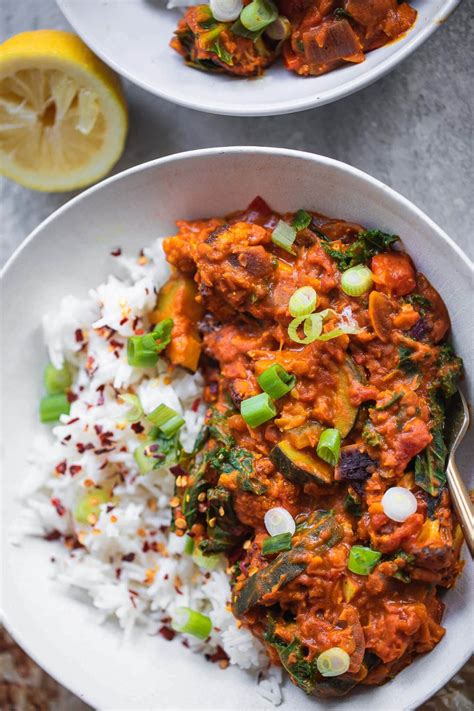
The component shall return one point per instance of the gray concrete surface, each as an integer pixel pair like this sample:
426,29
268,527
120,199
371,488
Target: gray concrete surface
412,129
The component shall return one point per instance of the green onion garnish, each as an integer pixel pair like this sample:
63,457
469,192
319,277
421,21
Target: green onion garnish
356,280
362,560
135,411
312,327
258,15
257,410
167,419
302,218
143,456
89,505
333,662
276,544
329,446
283,235
142,351
138,355
188,545
208,562
57,380
303,301
276,382
192,622
52,406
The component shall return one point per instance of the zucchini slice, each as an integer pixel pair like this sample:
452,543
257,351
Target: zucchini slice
300,466
317,533
345,414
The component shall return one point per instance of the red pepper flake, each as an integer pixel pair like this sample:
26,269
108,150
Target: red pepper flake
146,547
166,576
123,321
104,450
61,467
195,405
115,344
129,558
116,252
218,656
81,448
139,331
79,335
98,429
135,323
67,437
177,470
60,510
75,469
118,573
167,633
52,536
103,465
71,422
71,397
109,508
185,643
137,427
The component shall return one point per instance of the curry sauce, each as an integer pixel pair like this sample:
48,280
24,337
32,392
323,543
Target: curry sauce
382,382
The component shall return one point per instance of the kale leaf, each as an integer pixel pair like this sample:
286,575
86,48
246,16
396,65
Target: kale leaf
449,370
430,472
405,361
366,245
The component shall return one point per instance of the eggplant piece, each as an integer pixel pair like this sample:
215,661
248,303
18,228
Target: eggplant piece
315,533
299,466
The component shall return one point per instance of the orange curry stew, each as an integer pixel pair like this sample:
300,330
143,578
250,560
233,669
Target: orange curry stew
312,36
379,372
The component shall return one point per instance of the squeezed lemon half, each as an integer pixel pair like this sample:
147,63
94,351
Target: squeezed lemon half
63,116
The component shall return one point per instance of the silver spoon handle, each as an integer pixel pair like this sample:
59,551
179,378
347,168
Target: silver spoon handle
462,503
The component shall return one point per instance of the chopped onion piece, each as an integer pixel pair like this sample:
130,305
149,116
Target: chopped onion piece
333,662
399,503
226,10
279,520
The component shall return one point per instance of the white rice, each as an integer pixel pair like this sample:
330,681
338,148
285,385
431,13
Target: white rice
91,334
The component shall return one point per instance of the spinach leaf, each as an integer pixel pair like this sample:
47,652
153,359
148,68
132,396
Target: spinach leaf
405,362
240,460
224,530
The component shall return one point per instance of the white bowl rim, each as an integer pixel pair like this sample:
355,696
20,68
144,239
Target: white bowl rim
262,150
304,155
292,106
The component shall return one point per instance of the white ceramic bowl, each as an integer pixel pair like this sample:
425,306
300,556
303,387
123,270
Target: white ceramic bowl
132,36
68,253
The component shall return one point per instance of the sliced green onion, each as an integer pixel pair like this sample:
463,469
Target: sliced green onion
135,412
57,380
333,662
356,280
302,218
167,419
329,446
88,508
276,382
142,351
303,301
283,235
257,410
138,356
191,622
188,545
238,29
341,330
208,562
52,406
276,544
362,560
312,327
143,456
258,15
